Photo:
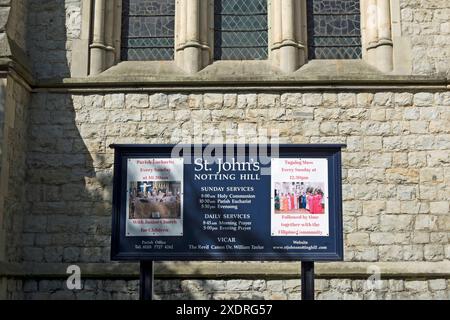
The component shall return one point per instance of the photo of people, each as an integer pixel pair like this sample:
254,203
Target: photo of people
154,200
298,197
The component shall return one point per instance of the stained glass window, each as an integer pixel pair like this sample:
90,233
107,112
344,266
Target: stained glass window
148,30
334,29
240,30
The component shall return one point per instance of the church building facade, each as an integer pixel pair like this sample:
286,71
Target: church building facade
80,75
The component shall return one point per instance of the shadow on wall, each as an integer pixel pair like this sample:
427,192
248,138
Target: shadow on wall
69,166
2,115
196,287
52,25
69,178
68,219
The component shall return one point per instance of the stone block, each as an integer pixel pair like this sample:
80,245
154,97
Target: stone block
275,285
395,222
439,207
380,238
178,101
357,239
433,252
115,101
213,100
159,101
137,101
346,100
268,100
312,99
423,99
403,99
383,99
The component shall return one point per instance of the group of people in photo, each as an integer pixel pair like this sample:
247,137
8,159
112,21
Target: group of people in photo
298,198
149,202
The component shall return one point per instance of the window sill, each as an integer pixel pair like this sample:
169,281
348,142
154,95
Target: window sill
239,71
166,75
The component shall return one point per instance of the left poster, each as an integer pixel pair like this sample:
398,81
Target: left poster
154,197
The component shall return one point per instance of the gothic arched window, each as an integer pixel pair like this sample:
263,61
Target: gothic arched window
334,29
148,29
240,30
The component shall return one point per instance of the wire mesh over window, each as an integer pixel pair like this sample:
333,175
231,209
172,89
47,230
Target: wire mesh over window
148,30
240,30
334,29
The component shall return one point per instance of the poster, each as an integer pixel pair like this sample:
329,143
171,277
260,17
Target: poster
154,197
299,197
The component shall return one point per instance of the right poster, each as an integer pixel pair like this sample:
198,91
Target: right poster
299,199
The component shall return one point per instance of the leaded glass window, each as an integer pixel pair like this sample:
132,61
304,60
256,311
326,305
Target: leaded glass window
240,30
148,30
334,29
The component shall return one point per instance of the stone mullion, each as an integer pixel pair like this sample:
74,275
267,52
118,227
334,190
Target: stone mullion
193,51
97,61
204,32
384,50
192,47
180,31
377,34
275,28
301,29
117,30
287,40
363,10
288,50
109,33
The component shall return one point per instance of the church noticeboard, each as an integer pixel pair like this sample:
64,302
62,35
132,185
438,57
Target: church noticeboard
232,202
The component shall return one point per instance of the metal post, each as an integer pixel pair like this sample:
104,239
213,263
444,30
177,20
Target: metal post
307,280
146,280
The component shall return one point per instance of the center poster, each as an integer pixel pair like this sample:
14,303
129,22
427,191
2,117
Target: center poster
247,207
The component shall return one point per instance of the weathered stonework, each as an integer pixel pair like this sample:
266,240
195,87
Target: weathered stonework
426,23
336,289
13,172
55,24
388,203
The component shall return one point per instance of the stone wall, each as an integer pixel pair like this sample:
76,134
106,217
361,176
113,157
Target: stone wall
13,204
427,24
396,167
13,175
348,289
13,30
17,29
55,23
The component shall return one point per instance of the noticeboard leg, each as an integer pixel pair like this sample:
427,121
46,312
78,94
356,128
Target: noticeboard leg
307,280
146,280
